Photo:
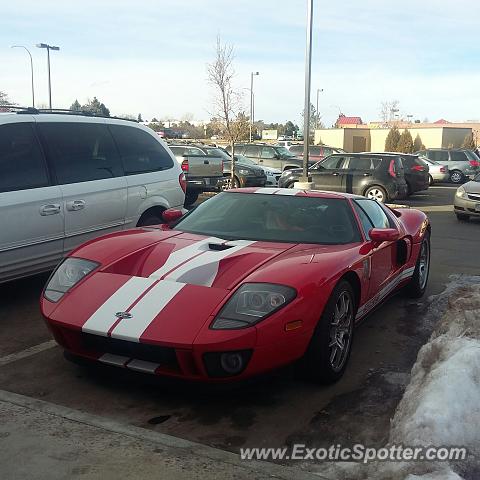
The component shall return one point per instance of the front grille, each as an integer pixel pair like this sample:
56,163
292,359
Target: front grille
473,196
164,356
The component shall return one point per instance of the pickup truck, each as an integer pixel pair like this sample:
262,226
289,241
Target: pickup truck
204,172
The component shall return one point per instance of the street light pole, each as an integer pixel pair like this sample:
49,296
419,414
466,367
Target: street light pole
31,70
48,47
308,76
251,102
318,91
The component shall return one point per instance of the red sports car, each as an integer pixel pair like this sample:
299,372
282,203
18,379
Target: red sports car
250,280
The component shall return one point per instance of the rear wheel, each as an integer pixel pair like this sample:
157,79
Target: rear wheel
462,217
430,180
376,193
327,356
191,198
418,284
227,183
456,176
149,219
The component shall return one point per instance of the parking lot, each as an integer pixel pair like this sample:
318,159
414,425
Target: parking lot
274,410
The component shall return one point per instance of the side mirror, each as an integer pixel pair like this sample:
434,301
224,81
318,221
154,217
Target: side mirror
379,235
171,215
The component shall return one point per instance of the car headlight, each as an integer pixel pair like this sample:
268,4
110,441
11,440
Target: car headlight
66,276
461,193
244,171
251,303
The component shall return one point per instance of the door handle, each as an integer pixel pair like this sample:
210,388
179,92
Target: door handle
206,162
367,174
50,209
335,174
260,161
75,205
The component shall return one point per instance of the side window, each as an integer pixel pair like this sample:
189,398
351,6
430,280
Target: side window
374,212
332,163
180,151
140,151
80,152
438,155
21,159
363,163
268,152
367,224
458,156
193,151
296,149
251,151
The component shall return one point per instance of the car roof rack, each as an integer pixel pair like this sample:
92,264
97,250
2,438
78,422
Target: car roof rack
61,111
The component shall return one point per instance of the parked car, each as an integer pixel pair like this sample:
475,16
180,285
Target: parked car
66,179
376,176
272,174
243,284
462,164
436,171
246,175
204,172
316,152
268,155
467,200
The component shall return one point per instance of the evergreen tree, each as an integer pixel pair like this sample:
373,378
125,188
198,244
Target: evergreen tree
75,106
469,142
405,144
95,107
417,144
392,140
139,118
4,99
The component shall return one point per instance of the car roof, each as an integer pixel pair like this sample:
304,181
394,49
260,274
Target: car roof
295,192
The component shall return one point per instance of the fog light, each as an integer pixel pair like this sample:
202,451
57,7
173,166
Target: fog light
232,363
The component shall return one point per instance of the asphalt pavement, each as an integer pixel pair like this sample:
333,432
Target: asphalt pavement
275,410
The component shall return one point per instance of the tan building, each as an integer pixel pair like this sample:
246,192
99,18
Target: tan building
373,139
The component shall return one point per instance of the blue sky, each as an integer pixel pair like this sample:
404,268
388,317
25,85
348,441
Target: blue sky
150,56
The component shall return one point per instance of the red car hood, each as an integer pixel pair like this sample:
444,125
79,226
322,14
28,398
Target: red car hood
166,290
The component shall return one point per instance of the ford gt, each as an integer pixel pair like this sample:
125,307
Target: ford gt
248,281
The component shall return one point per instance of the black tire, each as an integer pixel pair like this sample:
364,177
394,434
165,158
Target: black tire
431,181
317,364
290,185
456,176
191,198
149,219
462,217
375,192
418,284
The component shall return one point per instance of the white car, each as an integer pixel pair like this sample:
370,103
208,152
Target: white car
273,174
67,178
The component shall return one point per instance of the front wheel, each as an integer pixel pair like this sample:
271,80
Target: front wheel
418,284
462,217
227,183
191,198
376,193
430,180
457,177
327,355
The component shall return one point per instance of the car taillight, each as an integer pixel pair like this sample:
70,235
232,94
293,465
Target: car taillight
443,170
474,163
418,168
185,165
183,182
391,169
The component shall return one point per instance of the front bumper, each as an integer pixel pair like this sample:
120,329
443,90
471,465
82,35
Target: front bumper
470,206
253,181
440,177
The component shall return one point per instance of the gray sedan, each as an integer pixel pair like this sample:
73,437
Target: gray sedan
467,200
437,171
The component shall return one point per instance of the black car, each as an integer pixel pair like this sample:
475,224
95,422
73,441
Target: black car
268,155
245,175
377,176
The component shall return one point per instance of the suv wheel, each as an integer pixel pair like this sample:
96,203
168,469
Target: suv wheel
457,176
376,193
462,217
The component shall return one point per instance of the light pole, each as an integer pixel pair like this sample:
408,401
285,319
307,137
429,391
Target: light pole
305,181
251,102
48,47
319,90
31,70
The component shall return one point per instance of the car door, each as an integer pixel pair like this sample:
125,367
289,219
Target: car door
250,151
152,177
270,158
358,173
31,213
383,266
87,166
458,161
329,173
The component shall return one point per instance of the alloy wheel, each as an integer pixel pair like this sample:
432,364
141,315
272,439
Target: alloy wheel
341,331
376,194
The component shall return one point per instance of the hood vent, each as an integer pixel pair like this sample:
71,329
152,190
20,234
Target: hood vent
219,246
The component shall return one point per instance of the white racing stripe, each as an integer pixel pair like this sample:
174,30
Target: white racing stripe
103,319
288,191
145,311
267,191
202,270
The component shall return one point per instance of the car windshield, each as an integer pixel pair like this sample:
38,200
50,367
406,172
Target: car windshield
284,152
244,160
273,218
472,156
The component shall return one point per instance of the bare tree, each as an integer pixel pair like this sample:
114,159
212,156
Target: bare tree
387,112
227,101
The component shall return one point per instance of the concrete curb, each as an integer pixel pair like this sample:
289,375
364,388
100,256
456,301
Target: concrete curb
177,446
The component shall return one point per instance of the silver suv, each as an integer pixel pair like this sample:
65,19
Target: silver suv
65,179
462,164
